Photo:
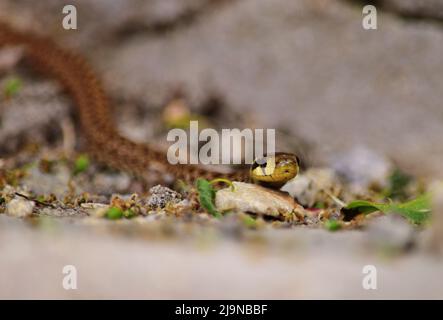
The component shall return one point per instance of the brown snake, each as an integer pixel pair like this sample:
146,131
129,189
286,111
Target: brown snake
104,142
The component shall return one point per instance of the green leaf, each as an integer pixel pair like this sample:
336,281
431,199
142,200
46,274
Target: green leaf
12,86
114,213
81,164
417,211
206,195
319,205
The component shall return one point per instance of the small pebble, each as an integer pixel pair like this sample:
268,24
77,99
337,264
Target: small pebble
160,196
20,208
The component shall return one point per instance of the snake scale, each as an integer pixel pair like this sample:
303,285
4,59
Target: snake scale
105,143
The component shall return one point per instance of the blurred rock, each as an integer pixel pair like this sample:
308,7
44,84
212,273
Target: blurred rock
32,115
62,212
116,16
391,232
105,183
435,242
308,187
56,182
301,188
362,167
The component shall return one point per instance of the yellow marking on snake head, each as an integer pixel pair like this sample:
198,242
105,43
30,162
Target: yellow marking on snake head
274,171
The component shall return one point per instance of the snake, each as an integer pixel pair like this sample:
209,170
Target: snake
104,143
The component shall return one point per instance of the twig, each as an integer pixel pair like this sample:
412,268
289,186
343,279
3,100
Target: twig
35,200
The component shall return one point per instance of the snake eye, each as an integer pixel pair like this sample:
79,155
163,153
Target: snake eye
262,163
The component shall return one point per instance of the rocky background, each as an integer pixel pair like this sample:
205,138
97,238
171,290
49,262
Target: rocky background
335,92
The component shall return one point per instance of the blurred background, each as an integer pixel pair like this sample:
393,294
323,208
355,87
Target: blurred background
304,67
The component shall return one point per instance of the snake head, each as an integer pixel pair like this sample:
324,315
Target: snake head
274,170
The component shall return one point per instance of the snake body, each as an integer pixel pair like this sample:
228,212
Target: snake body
105,143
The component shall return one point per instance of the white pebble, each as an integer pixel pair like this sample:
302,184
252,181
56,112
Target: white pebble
253,198
20,208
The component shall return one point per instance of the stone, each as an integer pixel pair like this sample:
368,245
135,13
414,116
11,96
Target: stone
161,196
255,199
20,208
307,187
